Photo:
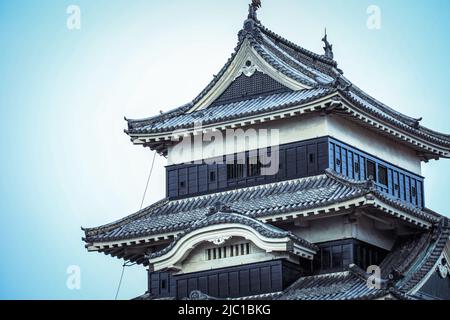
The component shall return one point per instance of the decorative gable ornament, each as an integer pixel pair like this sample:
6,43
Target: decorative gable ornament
219,241
249,69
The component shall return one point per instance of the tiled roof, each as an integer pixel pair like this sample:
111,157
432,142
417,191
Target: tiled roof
229,111
383,112
427,259
310,69
225,216
413,257
256,202
336,286
408,263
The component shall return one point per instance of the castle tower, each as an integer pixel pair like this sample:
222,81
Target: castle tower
286,181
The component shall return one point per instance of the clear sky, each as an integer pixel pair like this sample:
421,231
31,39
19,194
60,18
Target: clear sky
66,162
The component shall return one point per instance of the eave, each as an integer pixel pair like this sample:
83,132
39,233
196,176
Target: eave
349,207
335,102
160,141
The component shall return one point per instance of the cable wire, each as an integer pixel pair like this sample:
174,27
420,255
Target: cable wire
148,181
127,264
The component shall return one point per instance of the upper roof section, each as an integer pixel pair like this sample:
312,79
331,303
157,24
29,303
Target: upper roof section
265,78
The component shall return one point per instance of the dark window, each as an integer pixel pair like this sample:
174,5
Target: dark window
383,175
370,169
312,158
212,176
346,255
235,171
337,257
414,192
163,284
326,258
182,184
357,168
231,172
228,251
254,167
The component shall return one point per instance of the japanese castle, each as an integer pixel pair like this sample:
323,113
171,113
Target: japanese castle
285,181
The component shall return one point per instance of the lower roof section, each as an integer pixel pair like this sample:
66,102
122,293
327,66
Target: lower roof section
403,274
337,286
322,195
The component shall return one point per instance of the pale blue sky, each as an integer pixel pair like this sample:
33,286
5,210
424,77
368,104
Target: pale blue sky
66,162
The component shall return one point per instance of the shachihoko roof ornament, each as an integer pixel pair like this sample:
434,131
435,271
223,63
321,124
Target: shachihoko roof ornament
253,8
328,47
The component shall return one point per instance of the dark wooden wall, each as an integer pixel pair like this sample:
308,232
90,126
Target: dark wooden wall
400,183
336,256
297,160
233,282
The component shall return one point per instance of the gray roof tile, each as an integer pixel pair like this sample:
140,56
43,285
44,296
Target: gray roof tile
226,215
256,202
228,111
336,286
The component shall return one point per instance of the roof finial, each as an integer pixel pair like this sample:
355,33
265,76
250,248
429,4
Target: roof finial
253,7
328,47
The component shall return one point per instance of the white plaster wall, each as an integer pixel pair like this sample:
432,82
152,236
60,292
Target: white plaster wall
279,132
366,231
324,230
197,261
299,129
372,143
339,228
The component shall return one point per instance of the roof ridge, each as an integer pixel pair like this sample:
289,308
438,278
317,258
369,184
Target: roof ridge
386,108
414,128
369,187
221,72
418,271
366,185
296,47
251,188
